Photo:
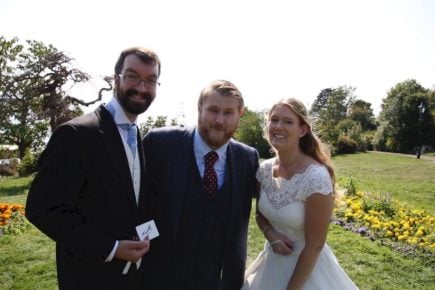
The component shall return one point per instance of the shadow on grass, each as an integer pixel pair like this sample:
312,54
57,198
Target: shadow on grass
13,190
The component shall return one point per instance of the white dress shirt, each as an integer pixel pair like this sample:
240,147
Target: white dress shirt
133,161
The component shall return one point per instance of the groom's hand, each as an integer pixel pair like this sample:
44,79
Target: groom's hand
132,251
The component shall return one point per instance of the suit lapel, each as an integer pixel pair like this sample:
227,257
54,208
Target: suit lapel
142,190
116,152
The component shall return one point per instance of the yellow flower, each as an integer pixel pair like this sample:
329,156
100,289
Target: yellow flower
402,237
376,226
412,241
389,234
406,226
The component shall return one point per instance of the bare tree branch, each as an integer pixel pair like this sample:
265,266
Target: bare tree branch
109,81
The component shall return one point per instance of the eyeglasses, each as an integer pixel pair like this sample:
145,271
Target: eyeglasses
135,80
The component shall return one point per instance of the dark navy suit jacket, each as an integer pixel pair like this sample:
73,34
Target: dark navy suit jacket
166,153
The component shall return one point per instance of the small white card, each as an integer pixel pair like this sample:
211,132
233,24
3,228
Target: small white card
148,229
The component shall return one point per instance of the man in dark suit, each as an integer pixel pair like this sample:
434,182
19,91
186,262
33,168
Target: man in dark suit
201,207
89,193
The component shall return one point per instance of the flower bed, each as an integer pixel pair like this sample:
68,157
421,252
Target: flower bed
380,218
6,211
12,218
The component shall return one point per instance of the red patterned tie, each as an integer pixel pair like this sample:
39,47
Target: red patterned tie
210,176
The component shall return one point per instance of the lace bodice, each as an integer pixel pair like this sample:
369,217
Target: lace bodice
282,201
282,192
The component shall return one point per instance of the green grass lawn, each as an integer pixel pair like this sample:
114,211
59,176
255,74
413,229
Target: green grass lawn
14,190
27,260
408,179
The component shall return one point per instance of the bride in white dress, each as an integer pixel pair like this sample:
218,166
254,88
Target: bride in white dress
294,208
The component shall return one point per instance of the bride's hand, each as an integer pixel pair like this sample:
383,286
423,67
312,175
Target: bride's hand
280,244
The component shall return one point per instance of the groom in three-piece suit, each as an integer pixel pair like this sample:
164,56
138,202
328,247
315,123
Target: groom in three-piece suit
89,193
202,220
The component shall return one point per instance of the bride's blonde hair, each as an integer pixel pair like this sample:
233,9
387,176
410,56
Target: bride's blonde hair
310,144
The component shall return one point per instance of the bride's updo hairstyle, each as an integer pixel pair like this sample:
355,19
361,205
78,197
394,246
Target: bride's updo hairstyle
310,144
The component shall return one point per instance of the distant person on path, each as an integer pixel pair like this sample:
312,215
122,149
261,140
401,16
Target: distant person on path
89,193
294,208
202,185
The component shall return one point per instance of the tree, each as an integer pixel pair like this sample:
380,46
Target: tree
432,109
250,131
149,123
381,141
33,78
407,126
160,121
175,122
361,111
330,107
320,102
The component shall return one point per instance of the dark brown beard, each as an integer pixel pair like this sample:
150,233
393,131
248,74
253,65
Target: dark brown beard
132,108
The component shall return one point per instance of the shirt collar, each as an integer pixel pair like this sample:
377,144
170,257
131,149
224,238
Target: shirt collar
201,148
117,112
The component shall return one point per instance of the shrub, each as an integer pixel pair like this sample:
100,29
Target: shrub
350,186
380,202
379,141
9,167
346,145
7,153
28,164
367,141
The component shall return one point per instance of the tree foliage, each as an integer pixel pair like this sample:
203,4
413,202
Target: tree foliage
328,109
250,131
361,111
320,103
342,120
407,117
158,122
33,78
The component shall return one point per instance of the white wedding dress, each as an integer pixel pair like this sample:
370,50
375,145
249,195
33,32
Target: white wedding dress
282,202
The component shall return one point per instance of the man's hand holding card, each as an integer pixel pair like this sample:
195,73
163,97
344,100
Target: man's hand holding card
144,231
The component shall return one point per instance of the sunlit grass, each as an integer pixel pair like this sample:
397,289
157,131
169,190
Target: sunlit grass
13,186
27,260
408,179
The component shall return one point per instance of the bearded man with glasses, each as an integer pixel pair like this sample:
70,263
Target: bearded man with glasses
89,193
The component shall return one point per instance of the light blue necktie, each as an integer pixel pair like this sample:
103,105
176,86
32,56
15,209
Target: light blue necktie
131,136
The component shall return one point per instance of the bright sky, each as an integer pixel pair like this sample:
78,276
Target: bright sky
270,49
